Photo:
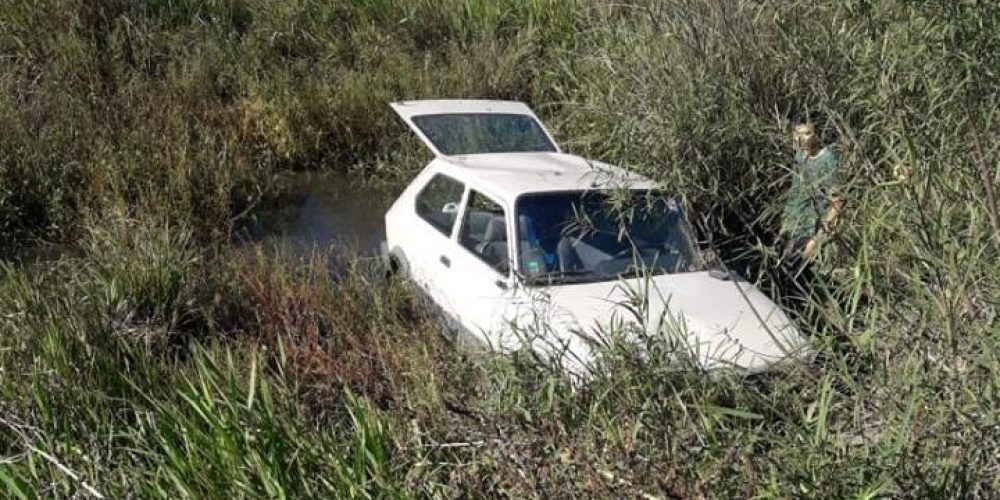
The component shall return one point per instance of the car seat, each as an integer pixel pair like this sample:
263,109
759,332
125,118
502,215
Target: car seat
569,260
534,260
494,246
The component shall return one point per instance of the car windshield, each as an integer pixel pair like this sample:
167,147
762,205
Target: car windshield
573,237
471,133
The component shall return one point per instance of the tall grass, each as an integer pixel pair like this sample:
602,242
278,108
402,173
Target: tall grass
187,108
154,359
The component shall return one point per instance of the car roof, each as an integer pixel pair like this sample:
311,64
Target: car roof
510,175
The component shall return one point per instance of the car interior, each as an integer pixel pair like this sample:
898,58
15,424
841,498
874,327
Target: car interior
484,233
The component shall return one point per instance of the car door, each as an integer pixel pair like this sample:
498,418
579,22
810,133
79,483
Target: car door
436,208
478,281
460,127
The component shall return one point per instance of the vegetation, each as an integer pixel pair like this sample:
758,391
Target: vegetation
153,358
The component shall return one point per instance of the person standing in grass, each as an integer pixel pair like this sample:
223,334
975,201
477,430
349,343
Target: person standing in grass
812,203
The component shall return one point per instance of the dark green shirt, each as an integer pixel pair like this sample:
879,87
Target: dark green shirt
814,180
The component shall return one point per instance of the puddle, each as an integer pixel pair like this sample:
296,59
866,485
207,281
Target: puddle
320,210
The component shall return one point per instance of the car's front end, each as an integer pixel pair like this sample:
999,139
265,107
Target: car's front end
599,258
716,322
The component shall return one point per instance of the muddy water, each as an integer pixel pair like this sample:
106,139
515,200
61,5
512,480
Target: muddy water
321,210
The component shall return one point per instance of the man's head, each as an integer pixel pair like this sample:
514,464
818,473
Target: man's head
804,137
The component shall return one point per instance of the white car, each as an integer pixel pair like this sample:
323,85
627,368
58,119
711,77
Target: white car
522,245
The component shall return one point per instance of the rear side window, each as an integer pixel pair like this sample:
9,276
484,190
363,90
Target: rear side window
438,201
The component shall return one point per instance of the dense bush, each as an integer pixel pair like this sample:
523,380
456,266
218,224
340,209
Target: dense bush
187,108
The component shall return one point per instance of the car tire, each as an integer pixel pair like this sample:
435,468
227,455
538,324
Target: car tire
393,262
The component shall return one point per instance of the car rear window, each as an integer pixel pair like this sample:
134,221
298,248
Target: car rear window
472,133
438,202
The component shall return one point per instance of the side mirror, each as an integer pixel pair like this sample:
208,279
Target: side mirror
720,274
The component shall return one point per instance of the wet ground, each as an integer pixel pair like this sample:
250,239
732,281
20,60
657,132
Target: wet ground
323,210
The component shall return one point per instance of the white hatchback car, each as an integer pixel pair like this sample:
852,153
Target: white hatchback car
521,245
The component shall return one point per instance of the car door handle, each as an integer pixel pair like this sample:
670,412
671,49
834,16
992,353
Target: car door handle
446,261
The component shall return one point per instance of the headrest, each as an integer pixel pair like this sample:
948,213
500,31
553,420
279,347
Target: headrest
496,229
526,229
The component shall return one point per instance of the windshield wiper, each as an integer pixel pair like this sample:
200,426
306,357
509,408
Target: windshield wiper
633,272
559,277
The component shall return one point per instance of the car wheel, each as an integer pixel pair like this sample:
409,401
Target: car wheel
394,263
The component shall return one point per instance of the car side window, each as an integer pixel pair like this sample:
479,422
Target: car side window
437,202
484,231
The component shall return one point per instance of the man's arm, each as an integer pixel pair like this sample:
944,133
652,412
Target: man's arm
836,205
829,219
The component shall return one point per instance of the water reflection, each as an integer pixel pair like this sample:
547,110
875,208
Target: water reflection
320,210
